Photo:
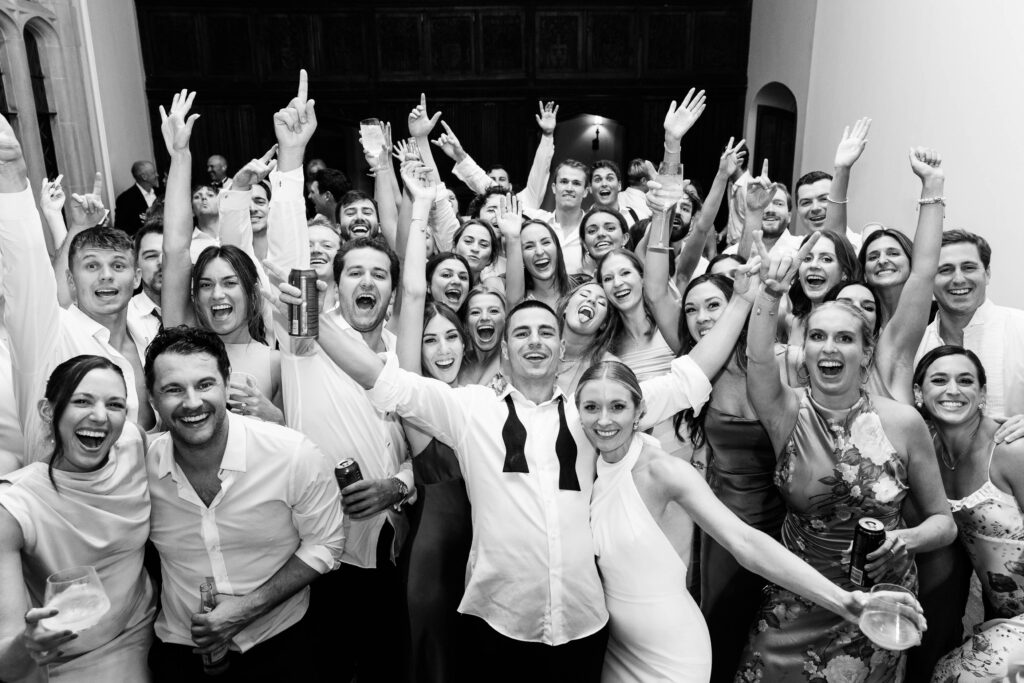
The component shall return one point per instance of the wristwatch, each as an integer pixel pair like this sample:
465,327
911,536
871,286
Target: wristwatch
404,490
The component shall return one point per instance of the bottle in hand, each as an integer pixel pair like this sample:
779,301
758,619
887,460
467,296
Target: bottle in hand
216,662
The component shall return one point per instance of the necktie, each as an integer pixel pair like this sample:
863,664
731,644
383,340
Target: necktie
513,434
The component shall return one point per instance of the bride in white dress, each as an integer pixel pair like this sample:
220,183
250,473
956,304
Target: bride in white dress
642,499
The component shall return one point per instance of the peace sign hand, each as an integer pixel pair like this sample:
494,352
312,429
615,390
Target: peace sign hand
732,158
255,171
51,195
778,270
760,190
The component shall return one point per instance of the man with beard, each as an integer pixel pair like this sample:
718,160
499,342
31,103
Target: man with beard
533,598
326,190
570,189
102,273
334,411
774,225
250,505
144,307
357,216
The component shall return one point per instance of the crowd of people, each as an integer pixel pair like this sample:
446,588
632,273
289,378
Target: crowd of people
609,442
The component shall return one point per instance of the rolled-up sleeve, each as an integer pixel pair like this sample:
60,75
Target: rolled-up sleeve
685,386
316,509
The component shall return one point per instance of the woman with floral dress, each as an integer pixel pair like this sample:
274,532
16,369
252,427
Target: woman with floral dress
842,454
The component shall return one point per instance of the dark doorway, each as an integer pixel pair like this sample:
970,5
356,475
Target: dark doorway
776,141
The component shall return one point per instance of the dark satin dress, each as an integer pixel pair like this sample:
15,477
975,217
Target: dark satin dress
741,474
434,564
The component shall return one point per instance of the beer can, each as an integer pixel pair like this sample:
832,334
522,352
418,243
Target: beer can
304,318
347,472
868,537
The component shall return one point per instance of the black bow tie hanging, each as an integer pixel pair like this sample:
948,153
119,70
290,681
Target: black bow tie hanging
513,434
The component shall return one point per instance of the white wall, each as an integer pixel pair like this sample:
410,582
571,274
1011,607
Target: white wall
940,73
113,38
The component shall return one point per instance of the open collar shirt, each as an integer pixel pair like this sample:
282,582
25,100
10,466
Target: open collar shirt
531,574
278,498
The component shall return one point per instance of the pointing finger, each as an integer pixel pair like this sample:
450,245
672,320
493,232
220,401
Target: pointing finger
269,155
303,86
97,184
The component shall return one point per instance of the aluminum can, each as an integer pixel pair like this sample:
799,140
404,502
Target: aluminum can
304,318
868,536
347,472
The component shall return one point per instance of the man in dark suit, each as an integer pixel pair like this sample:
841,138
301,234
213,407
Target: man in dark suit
131,205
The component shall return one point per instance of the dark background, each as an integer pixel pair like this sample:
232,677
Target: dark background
484,65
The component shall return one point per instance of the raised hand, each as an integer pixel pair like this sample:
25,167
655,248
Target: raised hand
853,143
510,216
662,197
747,279
254,171
405,151
420,124
926,164
51,195
295,124
450,145
779,269
87,209
418,180
548,117
760,190
176,126
732,158
681,118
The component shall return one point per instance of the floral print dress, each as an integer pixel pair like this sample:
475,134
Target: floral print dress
992,529
837,467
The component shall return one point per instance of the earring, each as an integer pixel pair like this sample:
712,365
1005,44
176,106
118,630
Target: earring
803,375
981,407
864,374
636,424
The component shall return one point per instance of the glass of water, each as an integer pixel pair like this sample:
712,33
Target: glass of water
889,619
78,596
371,134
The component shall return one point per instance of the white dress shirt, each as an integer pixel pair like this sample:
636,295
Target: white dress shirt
278,498
144,315
634,198
787,241
323,402
531,196
42,334
149,195
531,574
996,334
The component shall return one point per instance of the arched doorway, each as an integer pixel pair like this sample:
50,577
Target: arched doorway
775,131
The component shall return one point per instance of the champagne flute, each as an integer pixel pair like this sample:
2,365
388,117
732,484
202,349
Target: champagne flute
371,133
889,619
78,596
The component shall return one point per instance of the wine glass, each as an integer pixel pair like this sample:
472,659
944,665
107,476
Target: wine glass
78,596
889,619
371,133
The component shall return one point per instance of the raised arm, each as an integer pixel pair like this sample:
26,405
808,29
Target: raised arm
661,199
510,222
420,126
384,192
850,148
776,405
900,339
532,195
176,127
757,195
416,178
87,211
51,203
678,120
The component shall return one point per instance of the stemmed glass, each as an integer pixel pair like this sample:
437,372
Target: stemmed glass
78,596
371,134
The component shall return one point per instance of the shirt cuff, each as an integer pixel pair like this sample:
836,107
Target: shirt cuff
18,205
291,183
235,200
692,382
406,477
318,557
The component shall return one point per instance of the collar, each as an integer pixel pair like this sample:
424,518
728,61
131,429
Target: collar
982,316
386,336
94,329
234,449
510,390
144,303
145,192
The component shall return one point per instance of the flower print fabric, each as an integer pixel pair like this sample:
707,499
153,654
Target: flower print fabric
837,467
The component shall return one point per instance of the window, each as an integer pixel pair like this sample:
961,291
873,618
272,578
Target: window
46,118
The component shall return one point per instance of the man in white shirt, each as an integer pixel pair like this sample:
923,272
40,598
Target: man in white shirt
570,188
605,187
249,506
131,205
774,225
633,200
326,189
144,307
966,317
102,273
357,215
533,596
812,204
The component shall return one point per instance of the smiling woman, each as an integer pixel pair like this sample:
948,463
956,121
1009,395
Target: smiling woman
448,278
88,506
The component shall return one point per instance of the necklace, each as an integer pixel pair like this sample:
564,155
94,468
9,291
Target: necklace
950,463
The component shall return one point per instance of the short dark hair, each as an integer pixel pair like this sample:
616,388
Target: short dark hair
785,190
101,238
476,204
332,180
604,163
904,242
148,228
186,341
809,179
377,243
524,305
61,386
353,196
497,167
958,236
248,278
723,257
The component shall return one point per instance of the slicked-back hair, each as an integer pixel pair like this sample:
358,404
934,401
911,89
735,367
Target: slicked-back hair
186,341
616,371
604,163
522,306
101,238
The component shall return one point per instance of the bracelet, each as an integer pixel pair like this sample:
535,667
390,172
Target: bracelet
932,200
673,151
833,201
657,248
